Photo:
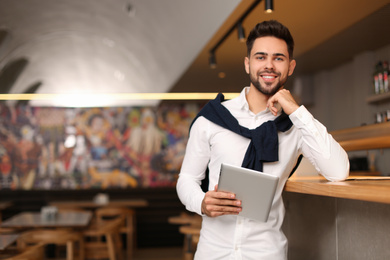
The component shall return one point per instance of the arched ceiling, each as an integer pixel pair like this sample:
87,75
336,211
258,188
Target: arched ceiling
104,46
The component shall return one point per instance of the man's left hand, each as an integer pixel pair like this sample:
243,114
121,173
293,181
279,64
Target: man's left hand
286,101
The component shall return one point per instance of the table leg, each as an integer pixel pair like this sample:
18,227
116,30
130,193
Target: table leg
188,254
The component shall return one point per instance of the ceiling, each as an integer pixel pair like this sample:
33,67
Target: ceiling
104,46
139,46
327,33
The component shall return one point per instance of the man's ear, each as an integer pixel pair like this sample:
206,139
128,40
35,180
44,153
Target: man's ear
246,63
291,68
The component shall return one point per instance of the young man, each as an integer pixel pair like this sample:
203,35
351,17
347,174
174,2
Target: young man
224,234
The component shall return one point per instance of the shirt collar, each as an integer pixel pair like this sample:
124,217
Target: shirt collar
243,103
242,99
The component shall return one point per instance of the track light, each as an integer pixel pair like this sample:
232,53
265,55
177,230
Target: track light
241,32
212,60
269,6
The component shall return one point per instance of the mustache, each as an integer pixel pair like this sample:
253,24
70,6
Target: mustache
269,72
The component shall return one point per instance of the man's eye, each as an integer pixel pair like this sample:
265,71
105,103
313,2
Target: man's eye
279,59
260,58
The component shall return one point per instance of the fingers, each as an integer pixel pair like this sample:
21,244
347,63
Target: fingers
273,104
273,107
217,203
216,211
221,199
282,100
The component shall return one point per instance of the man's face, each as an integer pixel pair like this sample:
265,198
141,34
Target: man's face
269,65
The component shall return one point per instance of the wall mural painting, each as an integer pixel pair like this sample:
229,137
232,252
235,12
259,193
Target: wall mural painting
86,148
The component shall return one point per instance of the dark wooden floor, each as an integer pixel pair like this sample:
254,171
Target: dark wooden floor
153,253
163,253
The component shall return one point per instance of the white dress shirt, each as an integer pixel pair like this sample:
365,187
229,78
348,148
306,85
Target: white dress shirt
235,237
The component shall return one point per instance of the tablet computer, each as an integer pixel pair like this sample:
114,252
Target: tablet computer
255,189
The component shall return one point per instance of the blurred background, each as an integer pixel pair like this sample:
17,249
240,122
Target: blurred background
83,128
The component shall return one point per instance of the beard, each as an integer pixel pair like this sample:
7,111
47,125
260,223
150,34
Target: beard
266,88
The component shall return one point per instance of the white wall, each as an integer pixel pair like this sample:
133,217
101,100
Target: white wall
339,98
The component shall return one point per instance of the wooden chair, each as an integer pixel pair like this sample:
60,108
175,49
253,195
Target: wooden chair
128,229
110,246
57,237
35,252
190,225
192,233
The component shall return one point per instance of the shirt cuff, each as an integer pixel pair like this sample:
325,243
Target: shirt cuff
301,116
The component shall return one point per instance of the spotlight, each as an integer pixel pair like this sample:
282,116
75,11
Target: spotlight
269,6
212,61
221,75
241,32
130,9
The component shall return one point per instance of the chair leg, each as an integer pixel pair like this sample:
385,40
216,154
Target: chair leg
69,250
129,246
111,247
118,242
188,256
81,249
188,253
130,236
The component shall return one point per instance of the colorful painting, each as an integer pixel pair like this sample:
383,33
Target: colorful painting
85,148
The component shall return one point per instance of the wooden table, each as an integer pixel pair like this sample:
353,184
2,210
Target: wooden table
92,205
28,220
7,239
185,218
88,204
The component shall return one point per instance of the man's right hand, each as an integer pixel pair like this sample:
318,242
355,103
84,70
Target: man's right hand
217,203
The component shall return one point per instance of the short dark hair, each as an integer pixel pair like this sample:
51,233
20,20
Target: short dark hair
270,28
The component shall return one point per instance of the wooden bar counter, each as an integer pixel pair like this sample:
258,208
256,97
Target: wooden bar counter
340,220
337,220
365,188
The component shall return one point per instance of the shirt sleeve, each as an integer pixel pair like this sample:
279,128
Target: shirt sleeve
319,147
194,166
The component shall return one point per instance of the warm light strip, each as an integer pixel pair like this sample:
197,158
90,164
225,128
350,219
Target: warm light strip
119,96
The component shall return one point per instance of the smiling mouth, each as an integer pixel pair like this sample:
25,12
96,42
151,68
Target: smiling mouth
268,77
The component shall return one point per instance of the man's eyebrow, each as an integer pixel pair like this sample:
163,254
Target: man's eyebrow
266,54
261,53
279,54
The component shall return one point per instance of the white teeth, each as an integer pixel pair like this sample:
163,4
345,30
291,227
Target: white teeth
268,77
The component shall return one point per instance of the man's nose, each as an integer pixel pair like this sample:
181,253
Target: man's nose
269,64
